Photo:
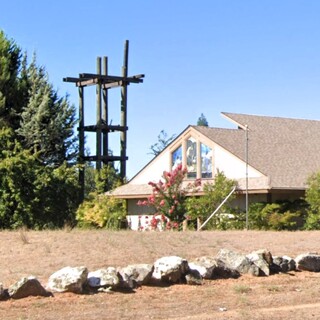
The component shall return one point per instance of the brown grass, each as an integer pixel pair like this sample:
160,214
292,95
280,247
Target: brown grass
283,296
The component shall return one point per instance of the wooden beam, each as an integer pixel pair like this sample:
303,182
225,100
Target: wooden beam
107,79
105,158
104,128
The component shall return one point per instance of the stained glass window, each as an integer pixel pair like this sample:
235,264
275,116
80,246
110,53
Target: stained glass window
191,158
206,161
176,157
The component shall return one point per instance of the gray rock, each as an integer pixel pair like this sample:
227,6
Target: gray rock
308,262
262,259
170,269
135,275
283,264
212,268
26,287
68,279
204,265
239,262
3,293
193,277
105,277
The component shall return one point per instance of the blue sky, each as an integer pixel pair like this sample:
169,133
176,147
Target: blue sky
206,56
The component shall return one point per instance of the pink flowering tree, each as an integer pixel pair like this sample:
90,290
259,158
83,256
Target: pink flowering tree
169,197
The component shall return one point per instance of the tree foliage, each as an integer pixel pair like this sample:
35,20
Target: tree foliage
214,193
169,196
202,121
163,142
38,188
313,199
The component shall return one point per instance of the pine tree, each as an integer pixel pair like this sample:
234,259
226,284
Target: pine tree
47,121
202,121
10,96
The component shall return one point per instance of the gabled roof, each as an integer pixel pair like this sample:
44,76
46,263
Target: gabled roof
286,150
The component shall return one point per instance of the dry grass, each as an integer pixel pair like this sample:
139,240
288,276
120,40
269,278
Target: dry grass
283,296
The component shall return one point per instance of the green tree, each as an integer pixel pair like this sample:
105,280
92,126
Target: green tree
11,101
37,186
47,121
202,121
163,141
313,199
214,193
31,194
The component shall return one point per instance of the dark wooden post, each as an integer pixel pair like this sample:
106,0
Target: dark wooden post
123,136
81,144
98,95
105,119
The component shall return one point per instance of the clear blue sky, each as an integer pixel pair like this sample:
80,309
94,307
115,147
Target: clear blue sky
206,56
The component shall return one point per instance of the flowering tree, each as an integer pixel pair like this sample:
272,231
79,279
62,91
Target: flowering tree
169,195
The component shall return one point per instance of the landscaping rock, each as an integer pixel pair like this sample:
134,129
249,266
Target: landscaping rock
27,287
68,279
262,259
103,278
308,262
283,264
239,262
170,269
193,277
204,265
3,293
135,275
211,268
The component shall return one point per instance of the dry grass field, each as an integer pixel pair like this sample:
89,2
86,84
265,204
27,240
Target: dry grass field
283,296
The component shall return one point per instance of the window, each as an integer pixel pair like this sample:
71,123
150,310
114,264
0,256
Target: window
206,161
176,157
191,158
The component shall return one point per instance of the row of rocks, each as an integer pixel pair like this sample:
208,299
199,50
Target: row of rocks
166,270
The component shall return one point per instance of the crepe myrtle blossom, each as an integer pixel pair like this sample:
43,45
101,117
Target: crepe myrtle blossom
168,196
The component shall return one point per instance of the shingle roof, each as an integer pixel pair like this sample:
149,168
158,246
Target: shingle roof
286,150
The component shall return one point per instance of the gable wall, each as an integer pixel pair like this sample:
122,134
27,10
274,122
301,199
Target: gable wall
233,167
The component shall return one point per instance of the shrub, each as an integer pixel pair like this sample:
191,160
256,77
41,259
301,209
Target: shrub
101,211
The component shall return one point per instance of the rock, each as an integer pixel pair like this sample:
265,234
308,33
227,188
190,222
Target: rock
135,275
262,259
27,287
204,265
283,264
68,279
193,277
170,269
308,262
3,293
211,268
103,278
238,262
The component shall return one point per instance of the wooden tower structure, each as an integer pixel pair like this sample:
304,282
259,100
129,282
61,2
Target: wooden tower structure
103,82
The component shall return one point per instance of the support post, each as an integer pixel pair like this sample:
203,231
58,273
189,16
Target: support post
247,176
81,144
105,119
123,135
98,97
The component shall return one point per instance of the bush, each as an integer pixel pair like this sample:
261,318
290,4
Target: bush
101,211
313,199
281,215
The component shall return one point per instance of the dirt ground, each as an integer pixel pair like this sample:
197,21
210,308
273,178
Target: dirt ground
295,295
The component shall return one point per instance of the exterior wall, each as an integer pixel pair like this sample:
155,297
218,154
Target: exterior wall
154,170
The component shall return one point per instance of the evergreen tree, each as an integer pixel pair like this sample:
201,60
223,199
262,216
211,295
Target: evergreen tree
202,121
10,95
47,120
